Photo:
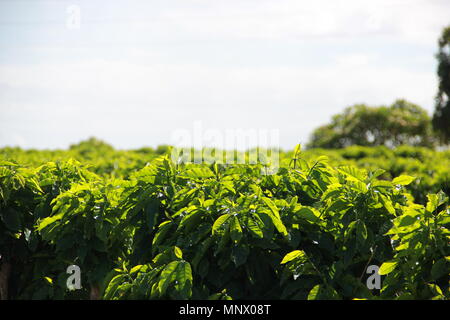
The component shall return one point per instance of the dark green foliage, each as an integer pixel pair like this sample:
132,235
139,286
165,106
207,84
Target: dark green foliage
441,117
399,124
218,231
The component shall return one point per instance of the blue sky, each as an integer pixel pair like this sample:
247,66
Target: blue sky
136,71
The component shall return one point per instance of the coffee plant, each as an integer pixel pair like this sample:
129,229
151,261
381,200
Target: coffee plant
140,226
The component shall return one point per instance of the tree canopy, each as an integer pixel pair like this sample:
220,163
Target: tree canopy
400,123
92,146
441,117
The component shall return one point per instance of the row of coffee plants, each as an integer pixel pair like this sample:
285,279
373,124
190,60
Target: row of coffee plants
217,231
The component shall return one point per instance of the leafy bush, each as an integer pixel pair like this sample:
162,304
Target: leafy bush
219,231
401,123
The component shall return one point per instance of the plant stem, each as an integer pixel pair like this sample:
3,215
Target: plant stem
5,271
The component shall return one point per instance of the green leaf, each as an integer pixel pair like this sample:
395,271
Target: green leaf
272,206
135,269
436,290
403,180
178,252
309,214
183,279
198,173
113,286
406,220
382,185
49,220
253,224
297,150
358,186
220,222
278,224
376,173
163,229
435,200
314,293
7,163
48,280
321,292
235,229
353,173
191,220
178,273
387,267
361,231
274,215
351,226
168,275
296,254
387,203
439,269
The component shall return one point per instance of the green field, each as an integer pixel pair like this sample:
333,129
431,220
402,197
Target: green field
141,226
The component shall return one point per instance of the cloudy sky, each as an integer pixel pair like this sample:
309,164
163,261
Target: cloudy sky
132,72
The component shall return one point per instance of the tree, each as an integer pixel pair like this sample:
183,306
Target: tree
92,147
441,117
401,123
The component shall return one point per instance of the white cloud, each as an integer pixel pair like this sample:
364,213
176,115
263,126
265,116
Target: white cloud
138,94
107,98
411,20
